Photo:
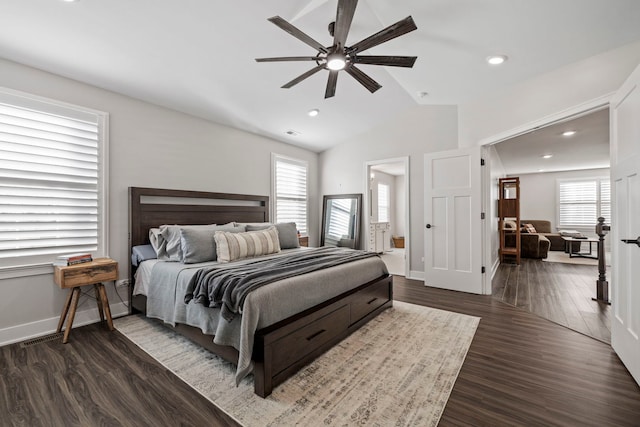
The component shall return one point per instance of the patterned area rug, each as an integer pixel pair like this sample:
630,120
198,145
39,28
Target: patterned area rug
398,369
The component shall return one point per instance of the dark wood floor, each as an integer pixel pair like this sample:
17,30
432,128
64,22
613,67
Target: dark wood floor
520,370
556,291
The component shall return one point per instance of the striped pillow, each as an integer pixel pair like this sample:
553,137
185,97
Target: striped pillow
233,246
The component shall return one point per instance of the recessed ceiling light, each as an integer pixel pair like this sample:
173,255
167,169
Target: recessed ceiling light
496,59
70,1
313,113
540,170
547,156
292,132
569,133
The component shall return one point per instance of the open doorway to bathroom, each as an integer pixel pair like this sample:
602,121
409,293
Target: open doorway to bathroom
387,212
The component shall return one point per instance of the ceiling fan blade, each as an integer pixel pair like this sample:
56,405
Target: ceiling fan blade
344,17
331,84
295,32
303,76
391,32
364,79
288,58
392,61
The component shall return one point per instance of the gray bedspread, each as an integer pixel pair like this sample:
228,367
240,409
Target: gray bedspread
228,288
262,307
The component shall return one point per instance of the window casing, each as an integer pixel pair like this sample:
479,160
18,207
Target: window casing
581,202
53,180
290,177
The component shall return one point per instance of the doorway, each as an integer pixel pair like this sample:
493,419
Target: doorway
557,164
387,227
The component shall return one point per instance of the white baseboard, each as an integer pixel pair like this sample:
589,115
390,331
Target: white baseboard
42,327
416,275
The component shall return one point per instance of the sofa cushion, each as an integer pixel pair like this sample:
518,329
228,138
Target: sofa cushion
541,225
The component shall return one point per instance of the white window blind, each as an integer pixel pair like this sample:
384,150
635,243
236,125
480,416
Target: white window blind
383,203
290,191
581,202
50,189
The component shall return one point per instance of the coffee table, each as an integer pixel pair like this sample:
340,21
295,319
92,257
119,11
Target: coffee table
568,247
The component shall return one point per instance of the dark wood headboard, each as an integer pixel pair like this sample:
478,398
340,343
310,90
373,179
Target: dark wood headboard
153,207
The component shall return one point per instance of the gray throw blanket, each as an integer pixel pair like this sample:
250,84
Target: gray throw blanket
227,288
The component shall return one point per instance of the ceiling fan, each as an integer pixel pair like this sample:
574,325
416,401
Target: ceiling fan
341,57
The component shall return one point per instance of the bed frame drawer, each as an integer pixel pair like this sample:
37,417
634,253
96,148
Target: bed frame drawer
305,340
367,300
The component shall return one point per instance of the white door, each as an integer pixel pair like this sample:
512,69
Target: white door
625,185
453,228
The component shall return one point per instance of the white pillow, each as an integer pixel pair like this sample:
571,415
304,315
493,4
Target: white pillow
155,238
233,246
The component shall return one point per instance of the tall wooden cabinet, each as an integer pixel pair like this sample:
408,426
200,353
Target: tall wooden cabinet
509,218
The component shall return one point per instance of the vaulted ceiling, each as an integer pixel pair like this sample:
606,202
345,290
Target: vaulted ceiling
197,56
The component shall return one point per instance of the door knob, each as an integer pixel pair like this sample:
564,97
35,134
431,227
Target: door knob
428,225
632,242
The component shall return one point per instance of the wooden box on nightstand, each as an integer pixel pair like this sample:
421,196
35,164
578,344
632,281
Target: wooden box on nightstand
72,277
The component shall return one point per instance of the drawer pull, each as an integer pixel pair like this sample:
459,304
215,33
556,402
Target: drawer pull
372,300
322,331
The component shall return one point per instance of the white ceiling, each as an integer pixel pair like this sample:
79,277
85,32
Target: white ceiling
197,56
588,148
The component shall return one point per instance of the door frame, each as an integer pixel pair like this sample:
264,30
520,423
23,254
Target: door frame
407,205
558,117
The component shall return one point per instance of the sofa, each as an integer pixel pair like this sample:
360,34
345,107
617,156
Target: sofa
537,245
543,228
532,245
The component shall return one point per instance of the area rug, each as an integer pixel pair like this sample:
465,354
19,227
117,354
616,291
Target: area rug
398,369
559,256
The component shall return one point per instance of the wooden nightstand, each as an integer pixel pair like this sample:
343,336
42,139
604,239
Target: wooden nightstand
73,277
304,240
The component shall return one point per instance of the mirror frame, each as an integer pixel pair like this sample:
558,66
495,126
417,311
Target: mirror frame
358,224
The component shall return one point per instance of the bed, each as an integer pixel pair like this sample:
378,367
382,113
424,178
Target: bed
274,337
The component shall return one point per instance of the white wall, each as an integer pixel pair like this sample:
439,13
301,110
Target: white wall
538,198
412,133
545,95
150,146
399,208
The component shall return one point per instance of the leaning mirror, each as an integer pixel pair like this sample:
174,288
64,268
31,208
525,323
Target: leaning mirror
341,220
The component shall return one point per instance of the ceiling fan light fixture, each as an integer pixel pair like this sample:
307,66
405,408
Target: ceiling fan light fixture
336,62
496,59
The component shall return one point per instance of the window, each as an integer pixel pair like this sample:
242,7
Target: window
383,203
290,191
581,202
52,180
